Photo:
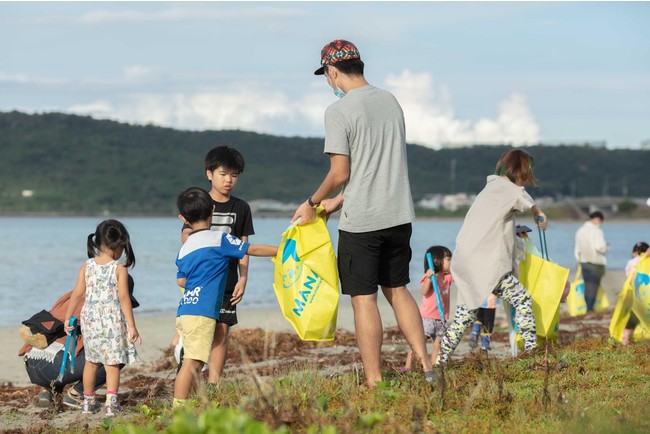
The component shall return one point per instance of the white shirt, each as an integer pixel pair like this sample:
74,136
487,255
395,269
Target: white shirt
590,244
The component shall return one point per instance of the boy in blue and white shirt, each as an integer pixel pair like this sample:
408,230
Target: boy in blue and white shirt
202,270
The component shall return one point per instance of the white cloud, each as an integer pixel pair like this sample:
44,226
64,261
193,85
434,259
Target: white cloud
100,108
136,72
246,109
18,78
205,12
428,108
431,121
152,12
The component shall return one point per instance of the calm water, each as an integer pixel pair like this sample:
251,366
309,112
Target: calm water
41,256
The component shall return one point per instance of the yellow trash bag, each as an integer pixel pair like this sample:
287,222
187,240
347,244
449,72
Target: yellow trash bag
545,281
306,280
576,298
641,302
622,314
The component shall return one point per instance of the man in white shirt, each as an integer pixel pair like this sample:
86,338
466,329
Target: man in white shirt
590,251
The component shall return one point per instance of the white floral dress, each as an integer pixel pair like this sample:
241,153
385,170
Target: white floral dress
103,325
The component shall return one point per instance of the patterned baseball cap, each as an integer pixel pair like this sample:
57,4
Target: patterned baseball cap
336,51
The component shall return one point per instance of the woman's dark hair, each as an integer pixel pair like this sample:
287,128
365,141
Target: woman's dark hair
195,204
226,157
640,247
113,235
438,254
517,165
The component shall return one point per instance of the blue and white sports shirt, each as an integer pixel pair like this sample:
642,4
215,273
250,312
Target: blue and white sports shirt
203,261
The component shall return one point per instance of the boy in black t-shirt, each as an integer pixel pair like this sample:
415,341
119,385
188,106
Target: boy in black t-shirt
232,215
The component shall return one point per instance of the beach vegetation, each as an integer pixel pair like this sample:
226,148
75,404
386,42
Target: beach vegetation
589,386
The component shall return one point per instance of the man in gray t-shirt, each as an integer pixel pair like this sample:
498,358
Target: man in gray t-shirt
365,141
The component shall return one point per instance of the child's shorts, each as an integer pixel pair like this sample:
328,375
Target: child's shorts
433,328
198,333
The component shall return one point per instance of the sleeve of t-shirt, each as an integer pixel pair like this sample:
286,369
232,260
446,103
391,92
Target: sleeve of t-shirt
524,201
233,247
180,274
336,134
248,221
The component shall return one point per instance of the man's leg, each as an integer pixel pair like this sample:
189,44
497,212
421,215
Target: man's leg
409,321
369,334
591,285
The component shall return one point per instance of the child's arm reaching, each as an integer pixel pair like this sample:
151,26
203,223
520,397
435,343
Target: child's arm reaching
125,303
262,250
77,294
240,286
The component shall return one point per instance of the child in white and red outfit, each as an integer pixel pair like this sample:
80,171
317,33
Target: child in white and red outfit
434,326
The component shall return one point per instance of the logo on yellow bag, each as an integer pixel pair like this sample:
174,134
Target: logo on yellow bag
642,288
291,264
292,268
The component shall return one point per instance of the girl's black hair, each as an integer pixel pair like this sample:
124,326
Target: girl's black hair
113,235
438,254
640,247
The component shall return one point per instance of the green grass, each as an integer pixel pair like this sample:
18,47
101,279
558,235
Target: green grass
604,389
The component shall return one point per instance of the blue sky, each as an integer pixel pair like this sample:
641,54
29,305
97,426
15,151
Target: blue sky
464,72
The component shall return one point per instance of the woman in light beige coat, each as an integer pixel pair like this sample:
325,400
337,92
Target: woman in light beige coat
482,263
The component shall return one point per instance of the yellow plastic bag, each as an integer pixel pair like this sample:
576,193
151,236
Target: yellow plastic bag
622,313
306,280
602,302
641,302
576,298
545,281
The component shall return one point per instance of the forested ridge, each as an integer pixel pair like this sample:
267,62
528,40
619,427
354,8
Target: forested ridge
77,164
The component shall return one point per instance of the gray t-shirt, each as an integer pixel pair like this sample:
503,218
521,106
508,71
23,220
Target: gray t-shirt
367,125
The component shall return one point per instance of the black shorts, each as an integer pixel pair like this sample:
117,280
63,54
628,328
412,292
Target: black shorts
228,312
368,259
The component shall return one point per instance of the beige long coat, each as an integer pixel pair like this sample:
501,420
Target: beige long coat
485,244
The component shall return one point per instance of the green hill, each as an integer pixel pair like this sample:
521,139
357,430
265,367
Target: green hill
77,164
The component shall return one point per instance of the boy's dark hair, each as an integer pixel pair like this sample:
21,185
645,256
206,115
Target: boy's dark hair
226,157
640,247
517,165
195,204
350,67
113,235
597,214
438,254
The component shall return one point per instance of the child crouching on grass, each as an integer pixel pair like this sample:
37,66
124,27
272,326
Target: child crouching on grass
202,270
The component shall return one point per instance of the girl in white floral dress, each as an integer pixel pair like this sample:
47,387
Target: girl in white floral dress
106,318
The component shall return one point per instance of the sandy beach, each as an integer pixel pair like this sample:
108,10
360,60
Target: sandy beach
157,331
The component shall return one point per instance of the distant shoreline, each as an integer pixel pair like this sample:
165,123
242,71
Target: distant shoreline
287,215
